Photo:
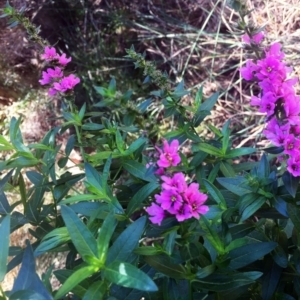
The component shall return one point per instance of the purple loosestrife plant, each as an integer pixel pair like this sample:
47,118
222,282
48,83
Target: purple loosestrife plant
177,198
59,83
277,99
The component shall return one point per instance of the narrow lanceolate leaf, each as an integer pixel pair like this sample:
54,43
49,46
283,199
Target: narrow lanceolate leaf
225,282
212,235
27,278
93,178
56,237
4,245
136,201
126,242
82,238
291,183
163,264
245,255
252,208
294,214
138,170
207,148
127,275
215,193
104,236
96,291
239,152
74,279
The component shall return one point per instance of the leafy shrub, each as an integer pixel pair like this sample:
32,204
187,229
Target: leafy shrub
235,238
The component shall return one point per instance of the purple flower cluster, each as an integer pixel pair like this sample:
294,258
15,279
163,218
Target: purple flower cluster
278,101
177,198
55,76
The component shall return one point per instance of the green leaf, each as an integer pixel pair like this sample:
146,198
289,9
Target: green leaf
22,188
206,271
245,255
142,194
272,274
252,208
291,183
294,214
215,193
207,148
78,198
127,275
138,170
74,280
96,291
199,117
239,152
21,162
4,245
93,178
80,289
92,126
82,112
211,235
234,184
126,242
82,238
148,250
4,205
214,172
5,145
209,103
26,294
227,169
104,236
119,142
236,244
226,134
27,278
135,145
263,169
225,282
198,98
163,264
56,237
112,86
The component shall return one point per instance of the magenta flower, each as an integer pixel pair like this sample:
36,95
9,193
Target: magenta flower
67,83
293,165
62,59
248,72
183,212
256,39
292,145
271,68
169,155
276,133
52,92
169,200
177,182
46,79
268,103
274,50
55,73
49,53
156,212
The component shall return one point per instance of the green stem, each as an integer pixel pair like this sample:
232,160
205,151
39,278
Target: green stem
78,133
